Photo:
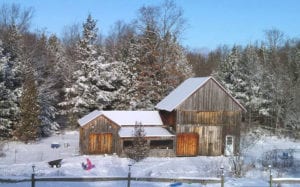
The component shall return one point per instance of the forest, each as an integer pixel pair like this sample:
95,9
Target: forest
48,82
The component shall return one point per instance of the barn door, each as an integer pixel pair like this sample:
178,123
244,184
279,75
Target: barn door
210,140
187,144
229,144
100,143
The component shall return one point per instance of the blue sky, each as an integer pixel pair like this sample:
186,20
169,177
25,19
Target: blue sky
210,22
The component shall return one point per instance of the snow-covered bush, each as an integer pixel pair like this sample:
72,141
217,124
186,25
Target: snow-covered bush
2,152
139,149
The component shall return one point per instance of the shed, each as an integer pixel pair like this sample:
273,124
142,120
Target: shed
204,116
106,132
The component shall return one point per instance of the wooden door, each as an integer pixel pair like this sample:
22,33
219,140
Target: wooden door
187,144
210,140
100,143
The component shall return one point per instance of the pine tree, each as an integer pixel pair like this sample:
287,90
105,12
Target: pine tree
140,148
12,41
29,127
6,123
97,83
11,80
50,82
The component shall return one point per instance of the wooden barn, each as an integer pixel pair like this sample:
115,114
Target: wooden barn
204,116
107,132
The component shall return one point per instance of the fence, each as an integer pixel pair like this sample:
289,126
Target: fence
282,180
34,179
129,178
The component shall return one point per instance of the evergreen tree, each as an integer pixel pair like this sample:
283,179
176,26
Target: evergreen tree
6,124
11,81
29,127
50,83
140,148
12,41
98,83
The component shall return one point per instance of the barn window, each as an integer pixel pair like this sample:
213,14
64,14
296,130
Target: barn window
161,144
127,143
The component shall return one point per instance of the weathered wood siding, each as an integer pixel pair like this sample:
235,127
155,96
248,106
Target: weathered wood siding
210,138
210,97
99,136
187,144
212,114
100,143
168,118
209,117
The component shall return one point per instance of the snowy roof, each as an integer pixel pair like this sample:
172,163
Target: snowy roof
186,89
181,93
149,131
123,118
87,118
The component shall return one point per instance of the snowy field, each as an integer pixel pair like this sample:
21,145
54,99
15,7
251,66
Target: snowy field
19,158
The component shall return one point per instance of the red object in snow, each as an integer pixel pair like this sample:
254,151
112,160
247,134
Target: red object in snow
88,165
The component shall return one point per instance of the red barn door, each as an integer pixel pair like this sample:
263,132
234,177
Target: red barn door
187,144
100,143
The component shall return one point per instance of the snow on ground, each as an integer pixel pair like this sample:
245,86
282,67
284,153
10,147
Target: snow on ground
20,158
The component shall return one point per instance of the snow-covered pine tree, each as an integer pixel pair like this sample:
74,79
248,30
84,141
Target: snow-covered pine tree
12,78
97,83
251,72
140,148
131,97
5,121
228,69
29,127
50,82
241,74
291,100
12,41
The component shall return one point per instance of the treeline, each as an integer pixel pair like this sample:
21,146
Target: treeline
263,76
47,83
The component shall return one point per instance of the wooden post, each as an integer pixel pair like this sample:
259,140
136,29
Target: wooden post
129,176
32,177
222,176
271,177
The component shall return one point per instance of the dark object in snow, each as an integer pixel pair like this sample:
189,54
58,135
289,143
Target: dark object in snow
176,184
55,145
278,158
88,165
56,163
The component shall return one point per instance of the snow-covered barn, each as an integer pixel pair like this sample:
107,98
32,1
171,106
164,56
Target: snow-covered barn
106,132
204,116
199,117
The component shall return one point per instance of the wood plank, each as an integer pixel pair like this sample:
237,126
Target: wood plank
187,144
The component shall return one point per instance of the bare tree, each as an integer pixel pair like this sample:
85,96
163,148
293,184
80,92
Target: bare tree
13,14
118,42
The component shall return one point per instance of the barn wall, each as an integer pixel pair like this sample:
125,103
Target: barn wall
213,114
212,129
210,97
100,125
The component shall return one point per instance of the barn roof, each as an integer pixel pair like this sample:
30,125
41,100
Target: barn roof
125,118
126,132
89,117
186,89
